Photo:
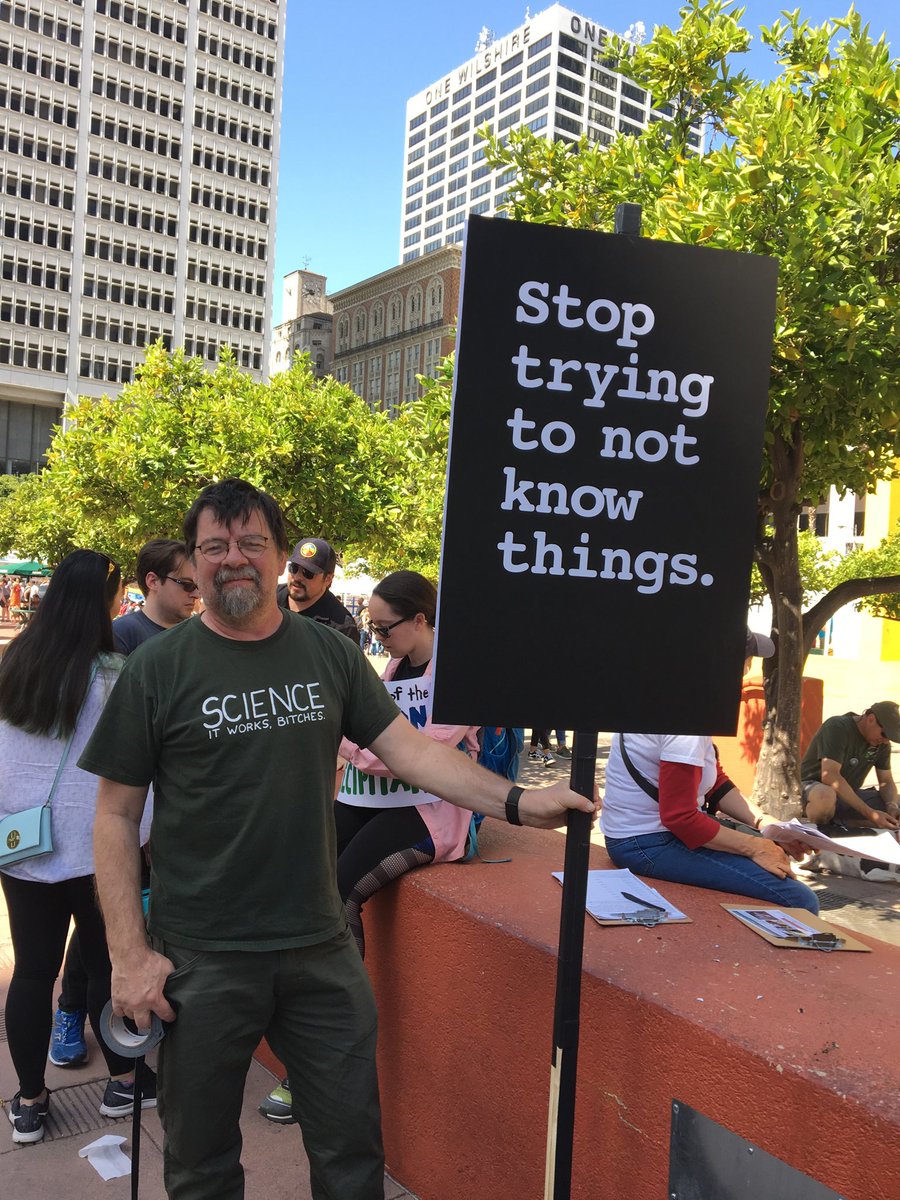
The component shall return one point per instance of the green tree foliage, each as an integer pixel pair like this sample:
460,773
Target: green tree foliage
804,168
126,469
414,458
30,525
877,563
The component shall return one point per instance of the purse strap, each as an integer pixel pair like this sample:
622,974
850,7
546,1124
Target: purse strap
641,780
71,737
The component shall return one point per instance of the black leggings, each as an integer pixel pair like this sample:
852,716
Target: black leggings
376,846
39,915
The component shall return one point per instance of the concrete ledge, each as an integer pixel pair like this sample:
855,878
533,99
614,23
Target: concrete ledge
793,1049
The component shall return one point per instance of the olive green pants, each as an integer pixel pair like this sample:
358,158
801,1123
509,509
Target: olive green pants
315,1006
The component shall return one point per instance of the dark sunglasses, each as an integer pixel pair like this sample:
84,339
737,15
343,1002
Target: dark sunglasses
382,631
298,569
188,584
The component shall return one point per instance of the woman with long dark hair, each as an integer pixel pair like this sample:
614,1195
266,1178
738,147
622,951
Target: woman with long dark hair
55,678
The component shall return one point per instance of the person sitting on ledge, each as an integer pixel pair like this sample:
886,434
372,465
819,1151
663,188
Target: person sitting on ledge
836,764
662,791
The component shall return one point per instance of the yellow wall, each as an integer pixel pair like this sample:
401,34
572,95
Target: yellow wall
881,639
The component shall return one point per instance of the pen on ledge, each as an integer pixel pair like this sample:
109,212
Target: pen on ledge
642,903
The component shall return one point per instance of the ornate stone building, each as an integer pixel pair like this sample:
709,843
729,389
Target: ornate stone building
306,324
395,326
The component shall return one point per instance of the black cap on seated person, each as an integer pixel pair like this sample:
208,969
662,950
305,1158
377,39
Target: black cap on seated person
315,554
887,714
758,645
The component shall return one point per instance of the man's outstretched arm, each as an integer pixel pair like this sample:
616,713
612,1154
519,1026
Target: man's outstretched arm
445,772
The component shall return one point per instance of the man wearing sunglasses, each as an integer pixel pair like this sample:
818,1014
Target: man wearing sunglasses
166,577
836,764
308,588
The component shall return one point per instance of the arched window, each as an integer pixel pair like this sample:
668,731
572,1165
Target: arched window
377,320
435,300
359,327
395,313
414,307
343,333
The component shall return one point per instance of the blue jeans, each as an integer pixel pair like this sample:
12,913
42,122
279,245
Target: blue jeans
664,856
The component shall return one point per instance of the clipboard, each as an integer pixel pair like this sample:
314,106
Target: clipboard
657,911
843,940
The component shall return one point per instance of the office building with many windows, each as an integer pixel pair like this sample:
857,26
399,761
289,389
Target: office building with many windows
138,158
552,75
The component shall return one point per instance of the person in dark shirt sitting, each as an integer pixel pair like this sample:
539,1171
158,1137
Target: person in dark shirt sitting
836,764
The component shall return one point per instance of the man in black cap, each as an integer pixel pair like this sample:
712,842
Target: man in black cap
307,591
837,762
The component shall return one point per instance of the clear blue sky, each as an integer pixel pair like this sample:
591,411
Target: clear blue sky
351,68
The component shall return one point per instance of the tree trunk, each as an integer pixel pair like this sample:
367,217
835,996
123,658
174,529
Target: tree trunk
777,786
845,593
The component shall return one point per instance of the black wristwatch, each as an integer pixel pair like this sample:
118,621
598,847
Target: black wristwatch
512,805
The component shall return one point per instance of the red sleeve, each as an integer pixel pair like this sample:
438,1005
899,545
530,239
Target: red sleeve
678,811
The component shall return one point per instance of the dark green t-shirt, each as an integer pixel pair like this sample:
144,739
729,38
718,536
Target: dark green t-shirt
840,740
240,742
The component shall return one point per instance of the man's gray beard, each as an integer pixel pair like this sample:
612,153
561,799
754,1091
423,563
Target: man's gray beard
237,603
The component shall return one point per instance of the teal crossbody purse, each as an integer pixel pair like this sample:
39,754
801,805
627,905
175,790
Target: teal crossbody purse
27,834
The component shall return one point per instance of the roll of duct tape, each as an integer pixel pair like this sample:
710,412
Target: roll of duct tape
130,1043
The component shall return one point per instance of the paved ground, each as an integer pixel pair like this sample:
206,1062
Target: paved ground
273,1156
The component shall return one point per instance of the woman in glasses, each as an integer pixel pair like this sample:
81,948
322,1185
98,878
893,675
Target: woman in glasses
384,827
55,678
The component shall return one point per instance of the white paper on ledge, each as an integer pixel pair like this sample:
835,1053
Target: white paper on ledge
106,1157
605,901
882,845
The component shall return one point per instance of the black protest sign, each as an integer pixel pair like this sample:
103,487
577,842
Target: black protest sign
605,449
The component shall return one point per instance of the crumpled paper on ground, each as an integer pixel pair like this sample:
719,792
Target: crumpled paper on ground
106,1157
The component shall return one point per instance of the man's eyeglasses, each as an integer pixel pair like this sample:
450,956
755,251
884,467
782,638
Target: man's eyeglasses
216,549
188,584
383,631
299,569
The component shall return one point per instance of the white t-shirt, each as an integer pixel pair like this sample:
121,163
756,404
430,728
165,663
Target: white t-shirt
627,810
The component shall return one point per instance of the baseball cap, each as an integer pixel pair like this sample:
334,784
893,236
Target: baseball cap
315,554
887,715
758,645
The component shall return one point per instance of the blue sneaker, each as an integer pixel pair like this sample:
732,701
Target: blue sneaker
67,1045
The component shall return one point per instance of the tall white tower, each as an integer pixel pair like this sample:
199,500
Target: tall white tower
550,74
